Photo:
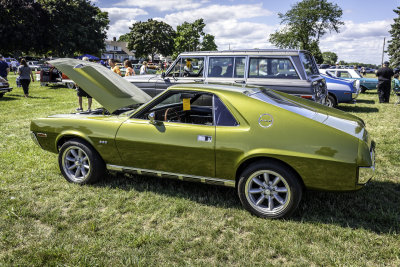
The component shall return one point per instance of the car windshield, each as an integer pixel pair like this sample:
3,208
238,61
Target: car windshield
282,102
309,64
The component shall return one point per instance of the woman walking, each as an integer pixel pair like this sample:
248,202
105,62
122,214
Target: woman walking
25,75
129,69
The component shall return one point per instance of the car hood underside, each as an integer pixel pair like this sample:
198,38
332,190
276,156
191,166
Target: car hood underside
107,87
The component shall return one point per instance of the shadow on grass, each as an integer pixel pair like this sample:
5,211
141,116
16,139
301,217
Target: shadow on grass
374,208
35,97
358,109
7,98
366,101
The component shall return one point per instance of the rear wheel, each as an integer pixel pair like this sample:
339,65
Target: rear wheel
80,163
331,101
269,190
363,89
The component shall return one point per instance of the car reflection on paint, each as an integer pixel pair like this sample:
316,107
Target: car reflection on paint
269,145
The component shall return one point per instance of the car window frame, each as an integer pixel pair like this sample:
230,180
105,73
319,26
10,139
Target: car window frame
227,108
272,57
180,59
246,60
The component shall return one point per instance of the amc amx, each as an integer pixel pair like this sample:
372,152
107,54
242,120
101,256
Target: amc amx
269,145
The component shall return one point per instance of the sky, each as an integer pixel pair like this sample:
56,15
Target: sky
248,24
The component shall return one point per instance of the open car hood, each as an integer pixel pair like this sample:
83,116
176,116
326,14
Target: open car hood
107,87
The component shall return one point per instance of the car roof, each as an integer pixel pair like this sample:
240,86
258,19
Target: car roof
286,52
217,88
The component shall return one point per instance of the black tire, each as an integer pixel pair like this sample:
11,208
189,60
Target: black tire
287,202
363,89
1,95
76,154
331,101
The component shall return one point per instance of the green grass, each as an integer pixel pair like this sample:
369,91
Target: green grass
148,221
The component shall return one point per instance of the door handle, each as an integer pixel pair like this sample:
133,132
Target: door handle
198,80
204,138
240,81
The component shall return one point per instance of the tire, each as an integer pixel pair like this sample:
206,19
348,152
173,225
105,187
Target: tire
70,85
269,189
363,90
80,163
1,95
331,101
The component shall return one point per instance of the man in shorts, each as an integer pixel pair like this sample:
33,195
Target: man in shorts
81,93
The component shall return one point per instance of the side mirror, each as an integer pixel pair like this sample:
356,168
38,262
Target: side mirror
151,117
163,75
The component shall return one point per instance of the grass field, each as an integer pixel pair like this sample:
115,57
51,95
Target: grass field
148,221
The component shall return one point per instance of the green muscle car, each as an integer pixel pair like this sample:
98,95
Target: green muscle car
270,145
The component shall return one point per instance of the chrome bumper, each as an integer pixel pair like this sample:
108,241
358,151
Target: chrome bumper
366,173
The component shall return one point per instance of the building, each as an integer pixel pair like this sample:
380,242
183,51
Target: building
117,50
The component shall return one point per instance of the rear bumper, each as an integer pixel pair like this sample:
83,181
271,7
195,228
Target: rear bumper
365,174
5,89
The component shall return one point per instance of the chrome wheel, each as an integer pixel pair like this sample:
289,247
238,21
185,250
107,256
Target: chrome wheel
76,164
267,192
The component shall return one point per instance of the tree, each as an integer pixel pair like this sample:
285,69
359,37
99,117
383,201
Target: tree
23,27
77,26
329,58
208,43
305,23
124,38
394,44
189,35
150,38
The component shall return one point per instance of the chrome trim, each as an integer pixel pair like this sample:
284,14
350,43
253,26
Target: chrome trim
34,138
265,120
366,173
208,180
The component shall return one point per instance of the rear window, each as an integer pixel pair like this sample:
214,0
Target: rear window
275,68
277,100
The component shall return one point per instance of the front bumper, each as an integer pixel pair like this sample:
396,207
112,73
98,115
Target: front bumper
366,173
5,89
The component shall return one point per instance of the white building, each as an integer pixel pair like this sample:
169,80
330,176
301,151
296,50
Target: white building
118,51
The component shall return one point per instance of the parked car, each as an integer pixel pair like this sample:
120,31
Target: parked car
34,65
341,90
365,83
268,144
4,87
290,71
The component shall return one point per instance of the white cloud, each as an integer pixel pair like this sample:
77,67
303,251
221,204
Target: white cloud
121,19
360,42
214,13
164,5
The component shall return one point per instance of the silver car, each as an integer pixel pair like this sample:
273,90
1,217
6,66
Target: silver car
290,71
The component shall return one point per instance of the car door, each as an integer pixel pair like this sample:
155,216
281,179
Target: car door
169,145
184,70
226,70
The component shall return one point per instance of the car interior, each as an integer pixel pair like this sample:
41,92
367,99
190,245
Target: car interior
183,107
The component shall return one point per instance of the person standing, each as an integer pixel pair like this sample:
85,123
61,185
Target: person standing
13,65
114,67
25,75
363,71
81,93
129,69
4,68
143,68
384,76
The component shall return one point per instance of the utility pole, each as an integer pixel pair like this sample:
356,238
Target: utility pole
383,49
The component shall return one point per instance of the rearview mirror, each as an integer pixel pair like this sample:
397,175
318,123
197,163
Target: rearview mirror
151,117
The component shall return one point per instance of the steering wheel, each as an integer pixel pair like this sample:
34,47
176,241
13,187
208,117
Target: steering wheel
171,110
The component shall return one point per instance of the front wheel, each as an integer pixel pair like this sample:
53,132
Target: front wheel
269,190
363,90
331,101
80,163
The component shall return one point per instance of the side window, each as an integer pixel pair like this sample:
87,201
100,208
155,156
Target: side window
189,107
343,74
239,67
175,71
220,67
188,67
275,68
222,115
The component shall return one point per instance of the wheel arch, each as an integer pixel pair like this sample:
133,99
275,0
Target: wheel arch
334,96
253,160
63,138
